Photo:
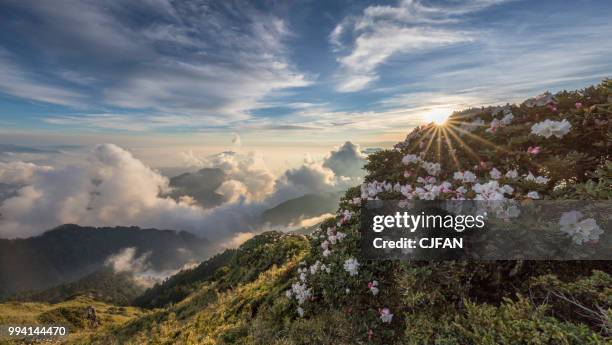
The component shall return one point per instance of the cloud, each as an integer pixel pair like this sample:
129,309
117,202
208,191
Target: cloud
169,59
113,188
249,172
232,190
17,81
138,266
20,172
236,140
383,31
346,160
191,160
308,222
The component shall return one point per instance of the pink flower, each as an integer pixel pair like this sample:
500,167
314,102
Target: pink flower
407,174
385,315
552,107
533,150
370,334
578,105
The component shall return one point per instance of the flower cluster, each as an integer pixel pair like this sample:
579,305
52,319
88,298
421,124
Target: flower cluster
351,265
548,128
580,230
385,315
373,287
540,100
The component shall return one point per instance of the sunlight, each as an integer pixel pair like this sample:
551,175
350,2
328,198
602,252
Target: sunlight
437,115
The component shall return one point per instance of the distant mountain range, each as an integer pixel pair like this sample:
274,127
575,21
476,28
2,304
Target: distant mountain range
103,285
304,207
70,252
200,185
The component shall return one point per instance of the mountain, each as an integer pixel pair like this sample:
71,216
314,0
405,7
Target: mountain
200,185
70,252
304,207
291,289
104,285
24,149
179,286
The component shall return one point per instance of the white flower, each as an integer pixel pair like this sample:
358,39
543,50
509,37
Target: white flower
408,159
495,124
580,231
351,266
489,191
340,236
570,218
470,126
533,195
512,174
538,180
432,168
325,245
301,292
300,311
507,189
458,175
469,176
495,174
373,286
288,293
332,239
507,119
385,315
347,291
326,252
540,100
548,128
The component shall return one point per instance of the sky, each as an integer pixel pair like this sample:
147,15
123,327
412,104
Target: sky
280,73
101,102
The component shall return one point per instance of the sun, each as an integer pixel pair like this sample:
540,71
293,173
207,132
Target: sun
438,116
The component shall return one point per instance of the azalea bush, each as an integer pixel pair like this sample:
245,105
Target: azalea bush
551,147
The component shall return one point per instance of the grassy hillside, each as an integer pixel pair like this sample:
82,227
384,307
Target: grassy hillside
226,307
73,313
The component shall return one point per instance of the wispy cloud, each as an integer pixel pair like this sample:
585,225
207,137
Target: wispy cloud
191,58
383,31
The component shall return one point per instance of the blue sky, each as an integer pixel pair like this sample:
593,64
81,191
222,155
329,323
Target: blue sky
284,70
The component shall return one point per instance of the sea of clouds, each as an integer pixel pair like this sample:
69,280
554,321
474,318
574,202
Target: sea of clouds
114,188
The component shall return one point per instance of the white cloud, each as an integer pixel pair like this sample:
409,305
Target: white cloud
17,81
346,160
381,32
113,188
175,60
236,141
20,172
127,261
249,171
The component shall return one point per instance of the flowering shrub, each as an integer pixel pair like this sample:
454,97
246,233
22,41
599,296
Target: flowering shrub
550,147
